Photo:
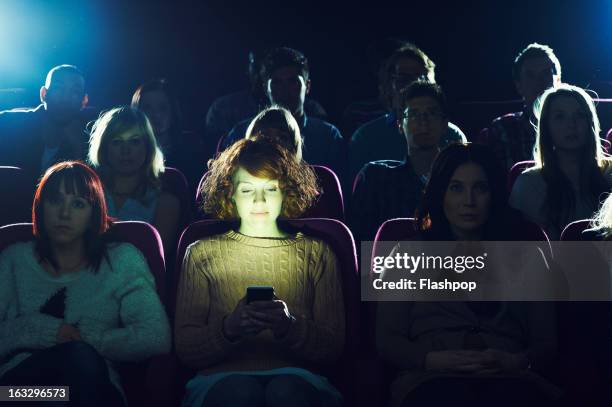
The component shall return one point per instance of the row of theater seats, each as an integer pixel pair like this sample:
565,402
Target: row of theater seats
160,381
330,203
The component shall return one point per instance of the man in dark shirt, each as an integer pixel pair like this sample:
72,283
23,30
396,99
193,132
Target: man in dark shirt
387,189
285,75
35,138
227,111
380,139
512,136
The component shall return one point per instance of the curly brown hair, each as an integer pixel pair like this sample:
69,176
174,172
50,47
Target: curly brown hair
261,158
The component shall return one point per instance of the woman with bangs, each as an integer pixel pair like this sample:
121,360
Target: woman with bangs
71,302
254,353
124,151
572,172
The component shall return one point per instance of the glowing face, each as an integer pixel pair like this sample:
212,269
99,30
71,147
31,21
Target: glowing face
258,201
537,74
467,200
156,106
127,152
64,98
287,87
66,216
423,123
568,123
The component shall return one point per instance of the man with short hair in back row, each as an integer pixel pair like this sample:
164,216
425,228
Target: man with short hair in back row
512,136
286,78
387,189
380,139
34,139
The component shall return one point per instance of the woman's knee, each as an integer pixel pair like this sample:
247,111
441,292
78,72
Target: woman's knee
80,362
291,390
234,391
81,353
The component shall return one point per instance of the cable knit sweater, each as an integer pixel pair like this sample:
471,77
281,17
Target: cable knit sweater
116,311
216,273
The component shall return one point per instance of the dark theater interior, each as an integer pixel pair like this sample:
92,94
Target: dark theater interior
313,204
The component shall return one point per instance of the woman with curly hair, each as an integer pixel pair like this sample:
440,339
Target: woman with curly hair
252,353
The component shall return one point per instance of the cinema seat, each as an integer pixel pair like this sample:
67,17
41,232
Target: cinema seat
516,170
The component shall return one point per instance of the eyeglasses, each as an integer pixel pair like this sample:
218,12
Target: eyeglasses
423,116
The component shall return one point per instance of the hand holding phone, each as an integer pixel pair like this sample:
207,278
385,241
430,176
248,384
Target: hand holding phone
268,310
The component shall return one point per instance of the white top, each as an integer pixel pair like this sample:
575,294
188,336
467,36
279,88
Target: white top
529,196
117,310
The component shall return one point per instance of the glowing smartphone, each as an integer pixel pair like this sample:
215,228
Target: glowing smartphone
260,293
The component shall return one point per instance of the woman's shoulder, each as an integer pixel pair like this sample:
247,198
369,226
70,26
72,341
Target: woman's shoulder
208,242
121,249
125,255
19,250
317,245
529,180
532,173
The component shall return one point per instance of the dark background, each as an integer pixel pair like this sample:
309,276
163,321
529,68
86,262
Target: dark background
202,47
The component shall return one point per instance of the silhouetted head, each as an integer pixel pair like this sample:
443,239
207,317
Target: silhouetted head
277,123
285,76
63,93
535,69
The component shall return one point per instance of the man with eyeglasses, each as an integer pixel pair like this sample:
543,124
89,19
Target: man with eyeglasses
286,79
380,139
512,136
34,139
387,189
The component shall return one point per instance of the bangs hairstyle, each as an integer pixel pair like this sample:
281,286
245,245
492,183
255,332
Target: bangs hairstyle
432,221
386,72
560,201
261,158
80,180
114,122
281,119
160,85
